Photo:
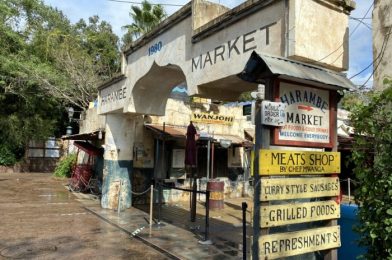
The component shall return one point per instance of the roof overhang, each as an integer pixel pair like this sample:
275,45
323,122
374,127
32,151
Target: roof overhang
261,67
85,136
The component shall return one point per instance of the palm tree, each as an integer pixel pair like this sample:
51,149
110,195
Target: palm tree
144,20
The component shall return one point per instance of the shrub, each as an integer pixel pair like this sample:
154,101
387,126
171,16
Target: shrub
7,157
372,156
64,168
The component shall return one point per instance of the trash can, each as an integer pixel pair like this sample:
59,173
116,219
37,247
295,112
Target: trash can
216,189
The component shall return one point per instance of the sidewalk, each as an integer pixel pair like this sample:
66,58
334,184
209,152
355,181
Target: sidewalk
178,237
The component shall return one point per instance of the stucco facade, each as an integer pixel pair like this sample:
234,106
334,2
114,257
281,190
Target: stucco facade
206,46
382,45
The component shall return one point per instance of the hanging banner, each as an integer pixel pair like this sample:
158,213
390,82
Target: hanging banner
293,213
282,162
299,242
299,188
307,116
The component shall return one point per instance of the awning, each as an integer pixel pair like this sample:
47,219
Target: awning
88,148
174,131
250,133
261,66
180,132
85,136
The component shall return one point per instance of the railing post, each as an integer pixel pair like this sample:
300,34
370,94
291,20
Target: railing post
349,189
151,204
194,189
207,231
207,240
159,201
244,207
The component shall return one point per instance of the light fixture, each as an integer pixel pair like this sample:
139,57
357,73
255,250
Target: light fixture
225,143
71,112
68,132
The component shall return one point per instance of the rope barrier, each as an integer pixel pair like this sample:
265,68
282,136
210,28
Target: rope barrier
140,193
188,190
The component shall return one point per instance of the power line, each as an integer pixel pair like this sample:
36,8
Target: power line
356,27
139,3
378,59
380,56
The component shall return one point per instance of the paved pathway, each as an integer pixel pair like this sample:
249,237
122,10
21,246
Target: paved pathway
39,218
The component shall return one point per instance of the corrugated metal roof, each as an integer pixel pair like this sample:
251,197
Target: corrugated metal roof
180,132
261,66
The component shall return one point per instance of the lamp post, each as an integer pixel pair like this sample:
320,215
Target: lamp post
68,132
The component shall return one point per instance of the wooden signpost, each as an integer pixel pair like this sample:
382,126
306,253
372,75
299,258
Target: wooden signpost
299,242
299,188
293,213
297,185
283,162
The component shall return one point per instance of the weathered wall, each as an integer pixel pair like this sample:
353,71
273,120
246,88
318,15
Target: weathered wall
314,36
204,11
382,29
118,161
93,122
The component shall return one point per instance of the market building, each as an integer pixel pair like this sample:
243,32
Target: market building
206,46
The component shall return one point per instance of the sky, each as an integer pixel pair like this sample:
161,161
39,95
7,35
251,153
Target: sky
117,14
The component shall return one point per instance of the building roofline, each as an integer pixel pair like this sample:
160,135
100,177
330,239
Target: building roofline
111,81
165,25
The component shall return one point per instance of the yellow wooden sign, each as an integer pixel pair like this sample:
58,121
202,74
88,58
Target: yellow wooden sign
282,162
300,242
207,118
293,213
299,188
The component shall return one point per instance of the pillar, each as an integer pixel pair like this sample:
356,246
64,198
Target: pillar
118,161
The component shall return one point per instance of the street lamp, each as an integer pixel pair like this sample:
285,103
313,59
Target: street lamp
71,112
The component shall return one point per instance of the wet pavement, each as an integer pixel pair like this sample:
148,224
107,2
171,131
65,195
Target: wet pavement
41,219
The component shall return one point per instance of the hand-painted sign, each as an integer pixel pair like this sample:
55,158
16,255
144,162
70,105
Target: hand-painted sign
273,113
212,119
282,162
235,47
293,213
113,95
300,242
299,188
307,116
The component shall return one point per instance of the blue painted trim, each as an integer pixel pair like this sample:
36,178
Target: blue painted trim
113,173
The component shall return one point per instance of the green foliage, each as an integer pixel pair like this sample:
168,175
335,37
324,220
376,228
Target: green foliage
7,157
64,167
46,64
351,100
372,156
144,20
